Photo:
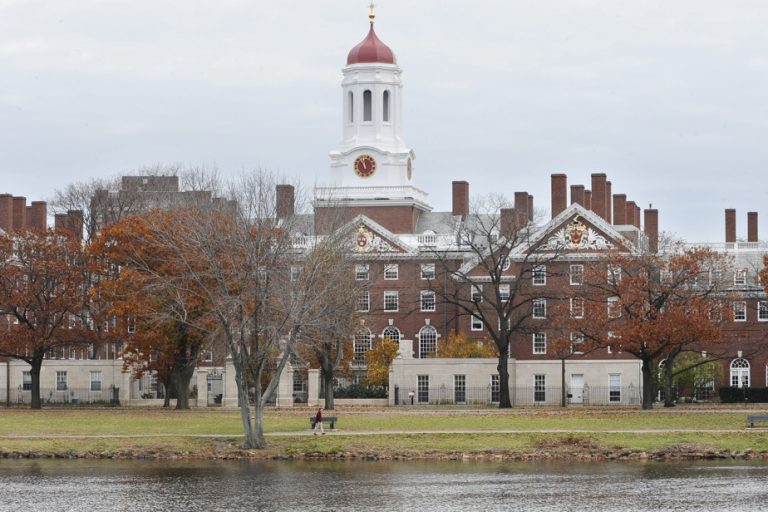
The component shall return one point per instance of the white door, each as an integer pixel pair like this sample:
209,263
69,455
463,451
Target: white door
577,388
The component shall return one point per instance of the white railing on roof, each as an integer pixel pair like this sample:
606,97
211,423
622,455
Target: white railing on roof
390,193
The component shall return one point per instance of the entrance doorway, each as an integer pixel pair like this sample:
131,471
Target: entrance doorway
577,388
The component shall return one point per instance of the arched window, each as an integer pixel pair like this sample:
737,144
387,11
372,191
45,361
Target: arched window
362,344
385,103
367,108
427,341
351,107
740,373
391,332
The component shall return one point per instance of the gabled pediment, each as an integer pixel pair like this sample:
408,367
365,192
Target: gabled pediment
369,237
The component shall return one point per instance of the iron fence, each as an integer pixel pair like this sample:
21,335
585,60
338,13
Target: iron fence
109,395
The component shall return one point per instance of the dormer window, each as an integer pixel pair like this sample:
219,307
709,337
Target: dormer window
367,106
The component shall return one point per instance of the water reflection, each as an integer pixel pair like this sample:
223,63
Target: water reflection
97,486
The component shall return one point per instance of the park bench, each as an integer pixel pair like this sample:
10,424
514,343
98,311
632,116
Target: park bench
328,420
751,419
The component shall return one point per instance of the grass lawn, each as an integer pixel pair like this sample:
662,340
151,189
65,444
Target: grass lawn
162,433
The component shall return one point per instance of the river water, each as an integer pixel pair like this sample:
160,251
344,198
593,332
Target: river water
94,486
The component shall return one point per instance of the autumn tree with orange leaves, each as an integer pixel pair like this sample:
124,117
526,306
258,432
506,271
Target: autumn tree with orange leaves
653,306
44,298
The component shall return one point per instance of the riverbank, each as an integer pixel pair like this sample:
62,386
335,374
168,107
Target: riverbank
385,434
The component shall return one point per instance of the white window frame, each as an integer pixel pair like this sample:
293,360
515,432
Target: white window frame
739,311
540,388
539,309
96,380
390,296
740,373
208,356
578,311
506,263
460,389
577,339
613,274
427,271
539,277
392,330
576,275
362,272
26,380
614,311
363,302
391,272
476,293
614,390
427,306
740,277
295,273
475,323
762,311
539,340
427,341
361,345
61,380
504,292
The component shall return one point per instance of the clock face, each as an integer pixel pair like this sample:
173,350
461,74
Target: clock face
365,166
410,169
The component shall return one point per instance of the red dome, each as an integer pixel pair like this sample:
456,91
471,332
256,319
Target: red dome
371,49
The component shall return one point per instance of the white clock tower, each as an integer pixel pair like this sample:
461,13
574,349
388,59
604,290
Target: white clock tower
372,165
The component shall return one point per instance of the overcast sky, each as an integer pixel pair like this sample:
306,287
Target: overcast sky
668,97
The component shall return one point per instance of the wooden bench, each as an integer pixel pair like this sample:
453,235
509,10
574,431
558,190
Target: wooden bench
328,420
754,418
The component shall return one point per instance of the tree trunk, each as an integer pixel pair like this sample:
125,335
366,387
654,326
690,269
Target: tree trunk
183,374
328,383
36,364
562,383
647,383
168,387
504,399
669,399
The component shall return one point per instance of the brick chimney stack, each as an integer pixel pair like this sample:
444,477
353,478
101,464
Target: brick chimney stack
6,212
461,198
730,226
284,201
530,207
631,213
19,213
651,225
599,194
559,194
588,199
507,222
620,209
752,227
577,194
37,215
521,209
608,196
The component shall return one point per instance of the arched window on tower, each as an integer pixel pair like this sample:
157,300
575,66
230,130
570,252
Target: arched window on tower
367,107
385,102
391,332
351,106
427,341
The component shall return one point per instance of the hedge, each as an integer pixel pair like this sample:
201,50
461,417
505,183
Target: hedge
729,395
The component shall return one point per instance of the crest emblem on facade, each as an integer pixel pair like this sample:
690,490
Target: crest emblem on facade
367,241
575,232
576,235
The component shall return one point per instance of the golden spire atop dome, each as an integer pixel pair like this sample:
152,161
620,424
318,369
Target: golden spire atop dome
372,15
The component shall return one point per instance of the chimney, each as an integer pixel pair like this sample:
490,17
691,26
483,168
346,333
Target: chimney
507,222
631,211
6,212
37,215
752,227
588,199
559,194
651,222
521,209
620,209
730,226
60,221
530,207
598,194
284,201
461,198
638,212
19,213
608,195
74,223
577,194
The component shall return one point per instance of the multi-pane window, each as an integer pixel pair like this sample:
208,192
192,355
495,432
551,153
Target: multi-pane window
362,345
427,300
740,373
540,275
539,308
459,389
504,292
361,272
26,381
577,339
539,388
364,301
762,310
131,325
739,311
614,308
614,387
505,263
423,389
477,293
61,381
427,341
715,277
391,333
96,381
391,271
495,389
476,323
539,343
427,270
208,356
614,274
576,274
391,301
577,307
295,273
740,277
